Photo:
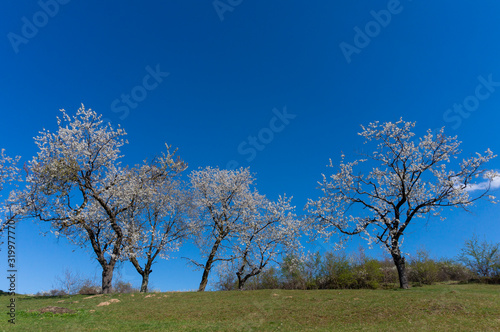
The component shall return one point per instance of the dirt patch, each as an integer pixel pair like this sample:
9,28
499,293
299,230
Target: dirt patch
55,310
108,302
91,297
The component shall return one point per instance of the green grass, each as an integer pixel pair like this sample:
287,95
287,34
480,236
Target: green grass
470,307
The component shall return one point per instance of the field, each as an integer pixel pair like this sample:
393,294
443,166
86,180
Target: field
469,307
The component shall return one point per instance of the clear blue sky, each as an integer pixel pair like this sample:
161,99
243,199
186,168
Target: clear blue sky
227,72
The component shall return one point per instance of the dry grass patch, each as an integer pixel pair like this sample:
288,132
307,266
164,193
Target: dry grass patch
108,302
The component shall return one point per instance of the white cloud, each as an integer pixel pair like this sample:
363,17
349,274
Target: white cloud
495,183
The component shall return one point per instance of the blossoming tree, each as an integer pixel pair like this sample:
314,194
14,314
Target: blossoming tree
156,223
410,179
76,183
234,223
223,200
272,231
9,173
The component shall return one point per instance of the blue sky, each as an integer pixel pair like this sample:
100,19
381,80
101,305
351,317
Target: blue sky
219,74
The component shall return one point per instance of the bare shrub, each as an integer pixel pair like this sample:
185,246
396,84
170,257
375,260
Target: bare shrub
450,270
89,287
52,292
124,287
69,281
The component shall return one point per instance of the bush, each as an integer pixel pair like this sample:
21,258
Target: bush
123,287
491,280
334,270
292,273
369,274
226,282
267,279
450,270
225,277
89,287
389,273
337,272
422,269
57,292
89,290
52,292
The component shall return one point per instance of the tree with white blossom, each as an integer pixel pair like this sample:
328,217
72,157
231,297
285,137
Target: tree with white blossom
223,201
156,224
271,232
10,209
76,183
410,179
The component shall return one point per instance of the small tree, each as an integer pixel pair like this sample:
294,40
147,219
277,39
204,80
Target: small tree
482,258
409,180
68,281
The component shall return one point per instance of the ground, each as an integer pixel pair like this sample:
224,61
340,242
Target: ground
469,307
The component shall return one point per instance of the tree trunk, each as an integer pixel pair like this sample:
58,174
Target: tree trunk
107,278
145,281
143,272
204,279
400,263
241,282
208,266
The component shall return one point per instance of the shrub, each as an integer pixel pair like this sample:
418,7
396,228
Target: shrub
389,273
89,290
334,270
124,287
89,287
455,271
292,273
69,281
423,269
225,277
267,279
369,274
337,272
57,292
52,292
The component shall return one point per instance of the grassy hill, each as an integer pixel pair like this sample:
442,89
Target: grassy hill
470,307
